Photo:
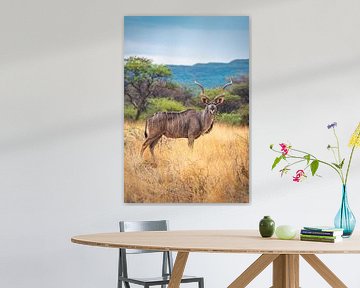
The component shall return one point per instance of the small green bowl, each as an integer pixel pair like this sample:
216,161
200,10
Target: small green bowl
286,232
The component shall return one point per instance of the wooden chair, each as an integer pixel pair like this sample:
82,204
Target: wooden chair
167,262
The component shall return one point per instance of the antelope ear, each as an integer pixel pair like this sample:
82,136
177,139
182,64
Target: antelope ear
205,99
219,99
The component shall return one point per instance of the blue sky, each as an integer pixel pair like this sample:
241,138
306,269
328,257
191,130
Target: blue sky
187,39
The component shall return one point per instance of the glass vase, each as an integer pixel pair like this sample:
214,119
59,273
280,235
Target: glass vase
345,219
266,227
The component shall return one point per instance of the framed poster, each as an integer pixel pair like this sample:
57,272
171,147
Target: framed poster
186,109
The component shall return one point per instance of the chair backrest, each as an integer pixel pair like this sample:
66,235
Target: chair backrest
137,226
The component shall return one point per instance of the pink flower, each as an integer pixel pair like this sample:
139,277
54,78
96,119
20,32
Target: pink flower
284,148
300,174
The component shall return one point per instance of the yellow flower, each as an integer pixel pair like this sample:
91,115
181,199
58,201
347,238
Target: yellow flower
355,138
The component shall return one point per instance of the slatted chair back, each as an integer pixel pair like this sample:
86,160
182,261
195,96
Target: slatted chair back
137,226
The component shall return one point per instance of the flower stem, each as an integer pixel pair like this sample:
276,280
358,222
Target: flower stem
338,171
304,152
337,144
339,156
333,152
296,162
320,161
313,158
348,167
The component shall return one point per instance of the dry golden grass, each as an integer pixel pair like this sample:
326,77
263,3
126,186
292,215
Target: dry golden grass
216,171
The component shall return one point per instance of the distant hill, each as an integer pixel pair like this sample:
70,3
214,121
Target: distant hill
211,74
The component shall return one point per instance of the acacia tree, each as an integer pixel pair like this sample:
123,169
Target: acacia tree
176,92
241,88
142,78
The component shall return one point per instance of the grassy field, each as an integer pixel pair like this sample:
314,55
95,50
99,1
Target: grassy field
216,171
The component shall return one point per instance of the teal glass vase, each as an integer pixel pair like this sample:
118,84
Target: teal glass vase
345,219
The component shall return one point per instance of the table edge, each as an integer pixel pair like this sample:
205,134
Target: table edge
203,250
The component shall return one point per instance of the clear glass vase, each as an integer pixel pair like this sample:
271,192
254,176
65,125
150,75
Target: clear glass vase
345,219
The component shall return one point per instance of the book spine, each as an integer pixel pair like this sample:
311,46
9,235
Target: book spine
318,239
319,233
318,236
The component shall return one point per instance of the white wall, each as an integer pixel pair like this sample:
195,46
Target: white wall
61,133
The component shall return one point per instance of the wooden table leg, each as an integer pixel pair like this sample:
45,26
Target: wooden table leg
253,270
286,271
178,269
324,271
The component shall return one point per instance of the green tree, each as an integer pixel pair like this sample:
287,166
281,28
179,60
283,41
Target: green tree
176,92
141,80
241,88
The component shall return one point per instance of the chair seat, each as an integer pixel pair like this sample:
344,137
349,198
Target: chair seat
158,280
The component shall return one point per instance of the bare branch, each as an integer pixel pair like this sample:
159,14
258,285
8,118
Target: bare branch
132,101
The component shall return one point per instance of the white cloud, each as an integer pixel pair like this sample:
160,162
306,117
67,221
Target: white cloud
185,46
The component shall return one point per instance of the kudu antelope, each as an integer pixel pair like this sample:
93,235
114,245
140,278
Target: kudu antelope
189,124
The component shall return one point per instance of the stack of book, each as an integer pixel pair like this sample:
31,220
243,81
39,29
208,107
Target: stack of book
321,234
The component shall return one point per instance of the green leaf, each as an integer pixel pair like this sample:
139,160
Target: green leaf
276,161
336,165
271,146
314,166
339,166
307,157
284,170
342,163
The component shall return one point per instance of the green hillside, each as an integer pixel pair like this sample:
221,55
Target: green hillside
211,74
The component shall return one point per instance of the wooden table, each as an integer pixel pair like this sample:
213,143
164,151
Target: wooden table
284,254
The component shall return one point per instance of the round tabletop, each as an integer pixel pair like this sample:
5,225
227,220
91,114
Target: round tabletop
221,241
